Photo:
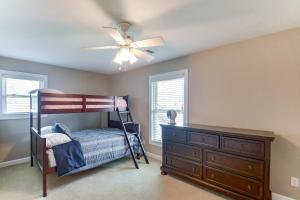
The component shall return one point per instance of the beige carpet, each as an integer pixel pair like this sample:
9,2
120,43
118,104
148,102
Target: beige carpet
118,180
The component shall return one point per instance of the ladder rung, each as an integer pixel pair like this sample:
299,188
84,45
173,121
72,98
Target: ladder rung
133,133
128,122
123,112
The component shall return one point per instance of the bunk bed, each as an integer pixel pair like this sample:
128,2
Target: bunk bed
123,131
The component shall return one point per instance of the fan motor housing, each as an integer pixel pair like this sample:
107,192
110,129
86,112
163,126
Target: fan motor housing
124,26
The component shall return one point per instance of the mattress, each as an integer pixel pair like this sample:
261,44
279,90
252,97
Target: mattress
99,146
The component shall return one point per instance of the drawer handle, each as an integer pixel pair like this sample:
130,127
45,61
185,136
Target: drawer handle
195,153
212,176
194,169
250,167
249,187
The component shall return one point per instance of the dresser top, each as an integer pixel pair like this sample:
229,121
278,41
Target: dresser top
269,135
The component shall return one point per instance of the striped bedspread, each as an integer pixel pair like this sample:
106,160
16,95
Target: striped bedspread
100,146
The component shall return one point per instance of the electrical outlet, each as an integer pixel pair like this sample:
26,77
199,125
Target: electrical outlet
294,181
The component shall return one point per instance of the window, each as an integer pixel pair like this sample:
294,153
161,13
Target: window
167,91
15,88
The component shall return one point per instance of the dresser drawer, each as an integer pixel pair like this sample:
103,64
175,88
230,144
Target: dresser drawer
233,182
243,146
175,135
184,151
204,139
183,165
248,167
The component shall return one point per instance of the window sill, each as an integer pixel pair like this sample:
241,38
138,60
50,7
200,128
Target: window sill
156,143
4,117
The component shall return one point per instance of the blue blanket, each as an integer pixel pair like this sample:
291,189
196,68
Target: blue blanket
68,157
91,148
103,145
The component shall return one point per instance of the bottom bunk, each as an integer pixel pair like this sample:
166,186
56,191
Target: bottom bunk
99,146
96,146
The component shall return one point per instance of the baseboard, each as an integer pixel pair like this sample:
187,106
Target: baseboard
276,196
14,162
154,156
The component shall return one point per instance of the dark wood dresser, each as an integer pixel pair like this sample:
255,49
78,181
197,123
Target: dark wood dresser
234,162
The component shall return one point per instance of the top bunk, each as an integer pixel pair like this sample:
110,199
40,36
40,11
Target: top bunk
56,102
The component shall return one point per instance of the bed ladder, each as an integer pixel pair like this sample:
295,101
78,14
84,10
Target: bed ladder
129,120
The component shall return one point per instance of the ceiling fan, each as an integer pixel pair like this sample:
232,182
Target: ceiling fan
128,49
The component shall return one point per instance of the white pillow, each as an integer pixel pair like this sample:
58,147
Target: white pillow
46,130
54,139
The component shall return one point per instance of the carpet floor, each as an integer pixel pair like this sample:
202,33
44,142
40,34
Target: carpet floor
118,180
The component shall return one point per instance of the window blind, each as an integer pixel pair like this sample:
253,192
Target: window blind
166,94
16,95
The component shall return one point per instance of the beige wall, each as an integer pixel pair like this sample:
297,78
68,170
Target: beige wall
14,134
251,84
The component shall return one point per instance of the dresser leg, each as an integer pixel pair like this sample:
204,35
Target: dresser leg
163,173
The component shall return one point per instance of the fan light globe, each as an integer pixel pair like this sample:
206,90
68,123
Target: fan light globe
125,55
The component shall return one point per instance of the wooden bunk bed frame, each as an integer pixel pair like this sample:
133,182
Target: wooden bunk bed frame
56,103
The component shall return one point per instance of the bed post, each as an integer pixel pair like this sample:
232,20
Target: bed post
44,170
44,158
38,114
108,119
128,106
31,125
108,114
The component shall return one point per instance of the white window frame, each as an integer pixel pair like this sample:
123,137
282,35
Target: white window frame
167,76
16,75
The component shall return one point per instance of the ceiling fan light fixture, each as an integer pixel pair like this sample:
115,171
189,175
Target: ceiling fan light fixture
132,58
118,59
125,55
129,51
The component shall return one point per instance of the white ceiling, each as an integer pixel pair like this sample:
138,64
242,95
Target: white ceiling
53,31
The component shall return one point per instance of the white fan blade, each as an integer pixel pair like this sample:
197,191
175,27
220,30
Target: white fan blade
141,54
158,41
99,48
114,33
